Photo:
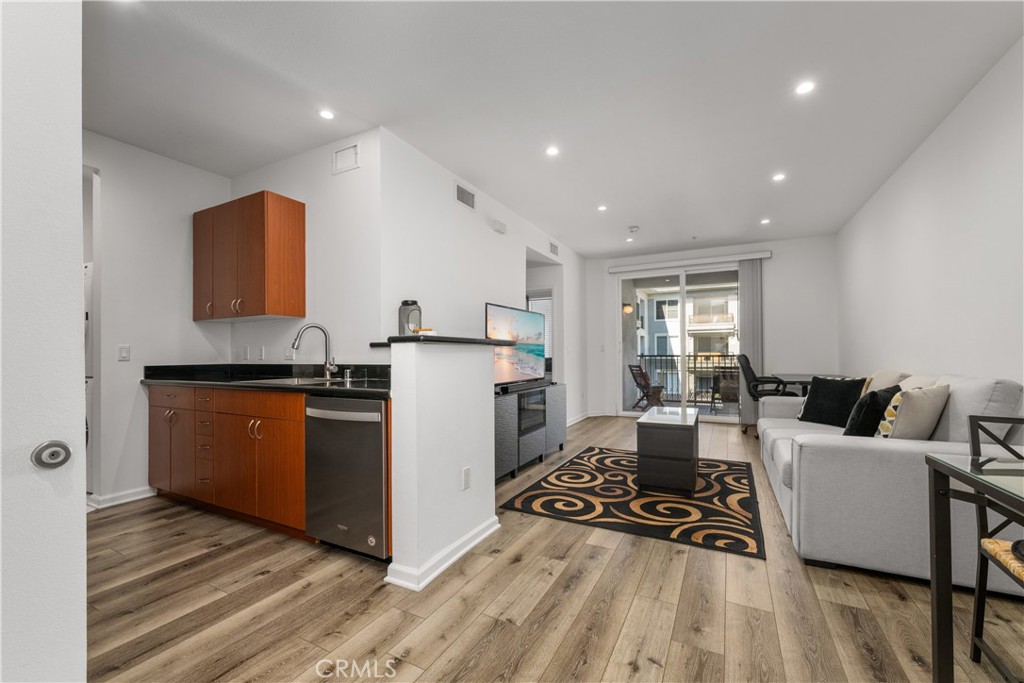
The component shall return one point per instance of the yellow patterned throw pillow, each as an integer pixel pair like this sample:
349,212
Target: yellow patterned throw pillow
913,414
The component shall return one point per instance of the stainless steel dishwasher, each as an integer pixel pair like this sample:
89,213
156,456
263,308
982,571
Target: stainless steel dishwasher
347,473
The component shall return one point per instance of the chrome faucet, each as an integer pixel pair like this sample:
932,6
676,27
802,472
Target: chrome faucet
329,366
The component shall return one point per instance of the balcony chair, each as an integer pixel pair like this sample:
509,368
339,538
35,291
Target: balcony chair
759,387
991,549
650,394
726,387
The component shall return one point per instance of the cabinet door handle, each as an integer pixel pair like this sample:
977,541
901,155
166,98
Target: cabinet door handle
204,422
170,416
209,308
203,446
238,308
259,423
203,398
204,481
249,428
170,396
167,416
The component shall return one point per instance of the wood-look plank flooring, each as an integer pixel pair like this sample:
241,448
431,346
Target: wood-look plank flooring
176,594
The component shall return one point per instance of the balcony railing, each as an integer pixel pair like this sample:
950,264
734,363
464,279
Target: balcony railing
711,379
712,318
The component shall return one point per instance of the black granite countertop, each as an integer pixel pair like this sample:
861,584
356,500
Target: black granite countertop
371,381
436,339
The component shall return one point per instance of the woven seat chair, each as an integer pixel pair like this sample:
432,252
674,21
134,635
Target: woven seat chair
990,549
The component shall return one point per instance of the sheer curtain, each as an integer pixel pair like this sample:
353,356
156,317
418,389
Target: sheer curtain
750,331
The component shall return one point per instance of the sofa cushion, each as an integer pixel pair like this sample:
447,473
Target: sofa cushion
917,381
913,414
870,411
885,378
773,429
830,400
973,396
782,455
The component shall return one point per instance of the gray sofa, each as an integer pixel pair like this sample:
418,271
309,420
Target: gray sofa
862,501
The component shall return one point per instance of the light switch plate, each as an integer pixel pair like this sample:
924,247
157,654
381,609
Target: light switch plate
124,352
261,353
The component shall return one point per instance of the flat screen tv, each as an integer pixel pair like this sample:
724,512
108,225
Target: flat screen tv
523,362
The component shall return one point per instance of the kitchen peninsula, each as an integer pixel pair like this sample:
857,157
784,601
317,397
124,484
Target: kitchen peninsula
442,450
439,450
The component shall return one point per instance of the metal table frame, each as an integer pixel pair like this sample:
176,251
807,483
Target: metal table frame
940,493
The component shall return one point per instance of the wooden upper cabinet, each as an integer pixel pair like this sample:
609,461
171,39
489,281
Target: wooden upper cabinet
252,252
202,265
224,260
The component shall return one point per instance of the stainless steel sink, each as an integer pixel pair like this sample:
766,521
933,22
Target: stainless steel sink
311,382
292,381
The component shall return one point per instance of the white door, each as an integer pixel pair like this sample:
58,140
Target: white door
42,525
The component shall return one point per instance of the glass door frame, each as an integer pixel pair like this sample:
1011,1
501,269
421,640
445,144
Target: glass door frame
681,272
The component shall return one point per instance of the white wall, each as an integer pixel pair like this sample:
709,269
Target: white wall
800,319
930,269
564,283
343,255
447,257
439,252
143,294
42,522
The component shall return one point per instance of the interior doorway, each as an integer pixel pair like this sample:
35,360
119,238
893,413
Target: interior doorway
91,187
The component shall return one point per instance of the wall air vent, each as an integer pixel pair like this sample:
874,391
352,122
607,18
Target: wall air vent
345,159
466,197
553,248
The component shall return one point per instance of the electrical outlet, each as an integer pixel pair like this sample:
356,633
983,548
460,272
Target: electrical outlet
289,353
124,352
465,478
262,352
245,352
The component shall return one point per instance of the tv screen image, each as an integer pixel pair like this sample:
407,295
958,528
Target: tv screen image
524,361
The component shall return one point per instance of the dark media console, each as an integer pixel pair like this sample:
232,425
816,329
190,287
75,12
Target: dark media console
529,422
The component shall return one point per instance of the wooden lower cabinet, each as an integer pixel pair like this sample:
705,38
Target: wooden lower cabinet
281,472
234,465
183,451
159,448
171,449
240,450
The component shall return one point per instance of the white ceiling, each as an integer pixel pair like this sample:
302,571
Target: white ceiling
674,115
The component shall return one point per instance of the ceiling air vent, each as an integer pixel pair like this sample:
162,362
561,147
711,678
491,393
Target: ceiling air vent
553,248
465,196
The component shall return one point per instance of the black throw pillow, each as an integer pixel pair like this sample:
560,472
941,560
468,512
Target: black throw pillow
830,400
869,411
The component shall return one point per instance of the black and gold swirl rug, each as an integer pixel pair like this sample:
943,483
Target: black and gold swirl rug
597,487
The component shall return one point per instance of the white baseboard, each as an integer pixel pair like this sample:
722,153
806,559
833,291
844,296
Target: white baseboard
579,418
416,579
112,499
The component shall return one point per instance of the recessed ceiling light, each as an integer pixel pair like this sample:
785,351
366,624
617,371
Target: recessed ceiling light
766,221
551,151
779,177
326,114
602,208
805,87
629,239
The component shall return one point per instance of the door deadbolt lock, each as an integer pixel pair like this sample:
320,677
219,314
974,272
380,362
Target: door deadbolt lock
50,455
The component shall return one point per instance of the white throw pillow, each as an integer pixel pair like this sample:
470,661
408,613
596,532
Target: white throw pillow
916,382
913,414
884,379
